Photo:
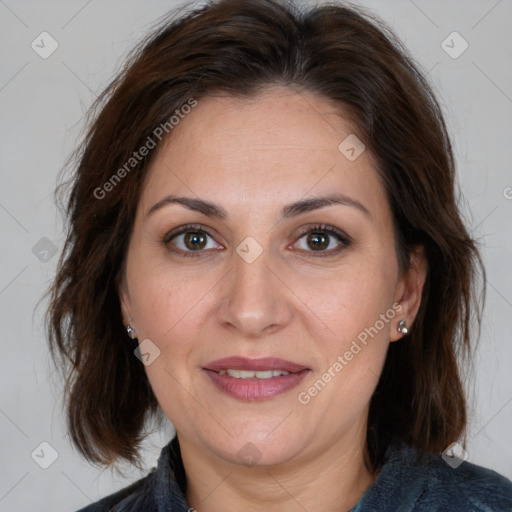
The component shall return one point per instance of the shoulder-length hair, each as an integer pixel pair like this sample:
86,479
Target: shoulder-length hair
239,47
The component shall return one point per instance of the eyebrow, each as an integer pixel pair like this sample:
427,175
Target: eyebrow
291,210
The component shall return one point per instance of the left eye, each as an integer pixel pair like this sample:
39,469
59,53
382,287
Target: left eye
323,240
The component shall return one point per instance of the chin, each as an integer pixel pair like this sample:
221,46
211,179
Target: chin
256,447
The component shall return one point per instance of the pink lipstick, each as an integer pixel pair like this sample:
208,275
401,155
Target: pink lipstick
255,379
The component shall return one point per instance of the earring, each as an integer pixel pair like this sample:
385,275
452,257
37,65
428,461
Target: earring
130,330
402,327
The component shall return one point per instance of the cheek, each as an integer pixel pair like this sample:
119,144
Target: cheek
357,308
171,309
168,314
166,302
350,303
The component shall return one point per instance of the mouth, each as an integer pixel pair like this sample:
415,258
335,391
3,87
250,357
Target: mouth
261,365
255,379
248,374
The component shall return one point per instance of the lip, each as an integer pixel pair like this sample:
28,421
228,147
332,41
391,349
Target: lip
254,389
260,364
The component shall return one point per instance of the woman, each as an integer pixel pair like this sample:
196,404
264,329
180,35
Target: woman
265,247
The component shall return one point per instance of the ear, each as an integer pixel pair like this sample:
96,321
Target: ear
409,291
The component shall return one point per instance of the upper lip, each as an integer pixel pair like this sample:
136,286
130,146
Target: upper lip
260,364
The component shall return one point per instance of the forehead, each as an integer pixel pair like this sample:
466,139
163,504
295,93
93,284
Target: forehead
261,152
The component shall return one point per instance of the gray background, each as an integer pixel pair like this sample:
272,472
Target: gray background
42,102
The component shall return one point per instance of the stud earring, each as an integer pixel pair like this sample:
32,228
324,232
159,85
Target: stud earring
402,327
130,330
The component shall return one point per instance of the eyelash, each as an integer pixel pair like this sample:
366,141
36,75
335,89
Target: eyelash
319,228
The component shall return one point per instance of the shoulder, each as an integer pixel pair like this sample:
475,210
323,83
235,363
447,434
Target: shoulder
408,483
159,490
478,488
137,496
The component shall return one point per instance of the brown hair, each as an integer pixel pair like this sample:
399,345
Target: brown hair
238,47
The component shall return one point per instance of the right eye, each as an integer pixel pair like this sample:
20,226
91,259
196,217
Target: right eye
190,239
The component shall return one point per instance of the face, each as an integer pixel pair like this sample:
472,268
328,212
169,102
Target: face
234,270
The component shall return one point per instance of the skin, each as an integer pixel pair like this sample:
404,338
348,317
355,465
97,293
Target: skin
252,157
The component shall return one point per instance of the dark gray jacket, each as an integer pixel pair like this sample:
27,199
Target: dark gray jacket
402,485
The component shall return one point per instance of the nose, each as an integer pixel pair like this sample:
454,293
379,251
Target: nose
254,301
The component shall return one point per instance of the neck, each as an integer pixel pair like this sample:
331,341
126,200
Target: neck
332,480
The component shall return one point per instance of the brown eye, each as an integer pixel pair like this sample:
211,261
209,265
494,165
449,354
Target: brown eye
194,240
190,240
323,240
318,241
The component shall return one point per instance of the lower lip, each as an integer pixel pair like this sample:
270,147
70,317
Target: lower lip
255,389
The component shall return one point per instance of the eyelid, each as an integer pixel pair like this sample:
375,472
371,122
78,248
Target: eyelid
343,239
181,230
324,227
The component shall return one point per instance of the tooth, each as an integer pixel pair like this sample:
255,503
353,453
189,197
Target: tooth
247,374
264,374
237,373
